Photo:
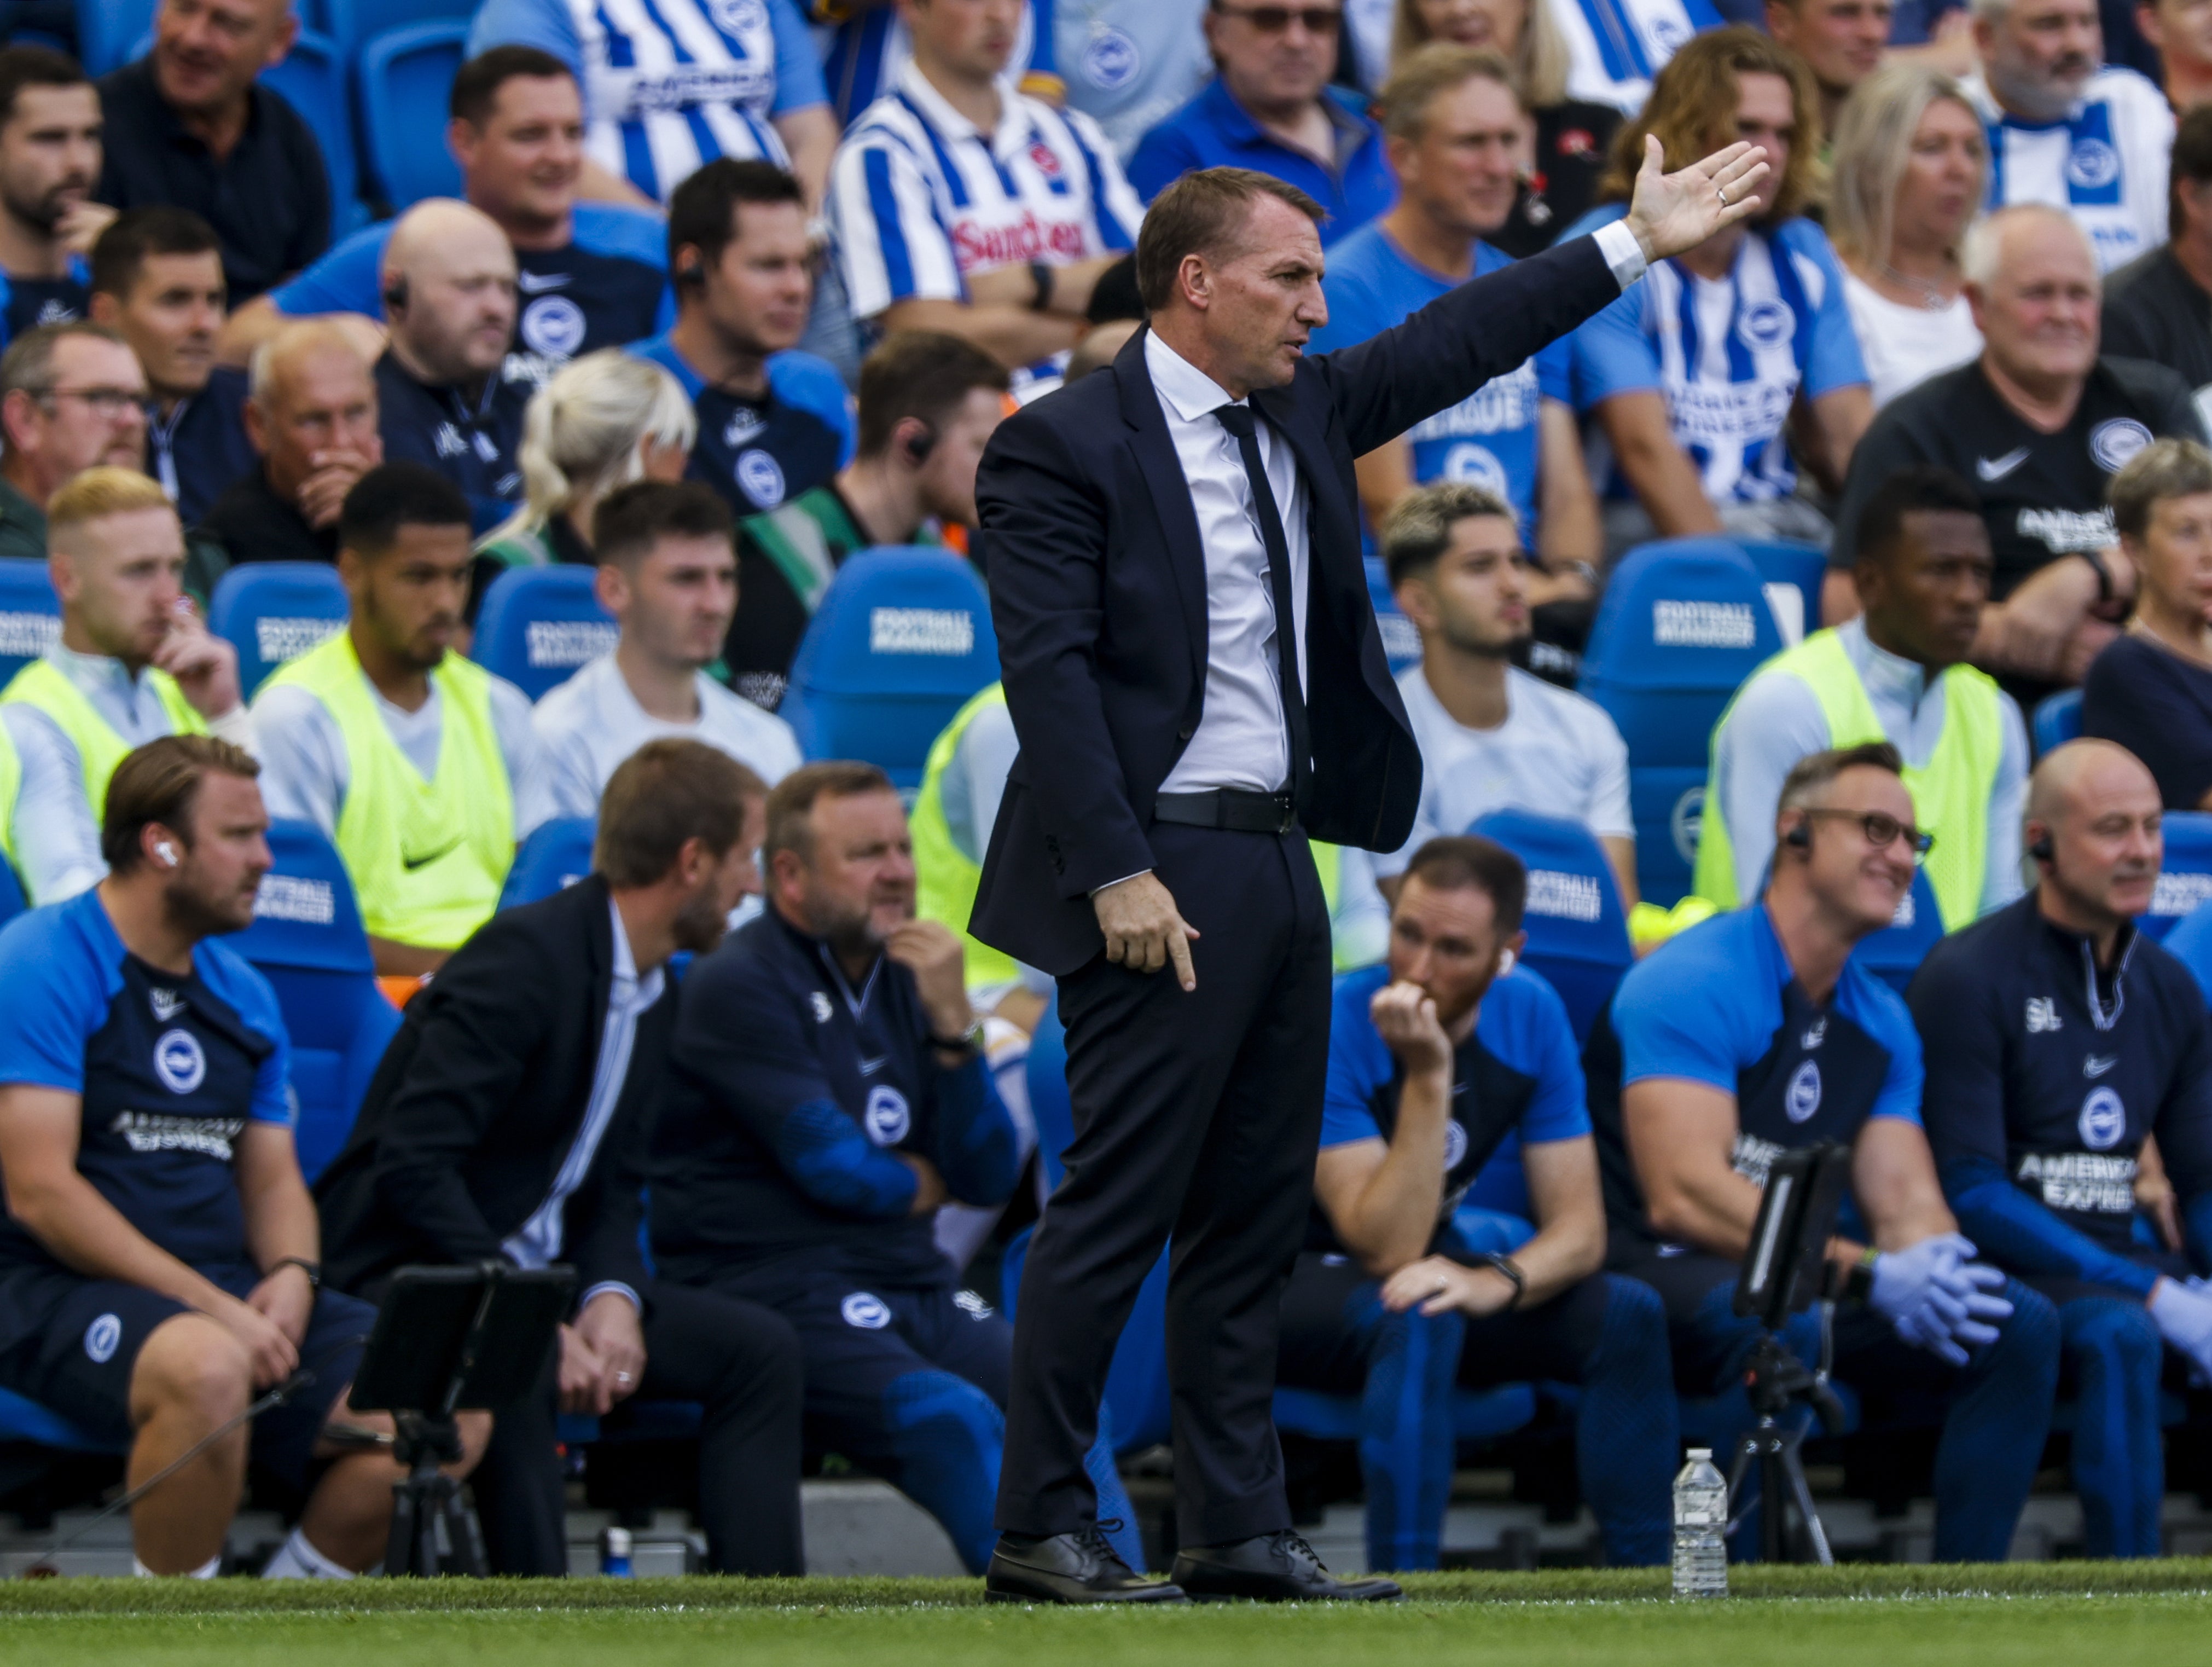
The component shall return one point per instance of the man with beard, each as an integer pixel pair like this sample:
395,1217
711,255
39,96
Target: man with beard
418,764
2091,141
50,127
447,395
508,1122
159,1259
830,1092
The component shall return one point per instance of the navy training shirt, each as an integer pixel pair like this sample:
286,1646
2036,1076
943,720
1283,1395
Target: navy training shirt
606,287
2044,1076
758,451
788,1092
171,1072
1516,1072
472,445
28,303
200,450
1721,1005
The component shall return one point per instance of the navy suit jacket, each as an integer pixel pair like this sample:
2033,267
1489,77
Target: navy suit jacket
1099,593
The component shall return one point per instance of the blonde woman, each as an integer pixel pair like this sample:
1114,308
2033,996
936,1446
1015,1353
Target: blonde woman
1569,137
1909,165
603,420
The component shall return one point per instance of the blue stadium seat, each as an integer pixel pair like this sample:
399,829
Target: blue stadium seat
2057,721
1681,627
1802,567
538,625
403,79
2191,942
1577,930
26,1421
556,856
109,31
1401,641
30,614
347,21
274,611
308,941
312,80
2185,880
1894,953
901,639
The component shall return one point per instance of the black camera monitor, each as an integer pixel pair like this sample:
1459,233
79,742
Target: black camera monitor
1785,1269
448,1338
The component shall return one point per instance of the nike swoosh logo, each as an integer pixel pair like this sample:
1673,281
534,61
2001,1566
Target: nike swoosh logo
1996,468
537,283
411,863
2094,1067
870,1067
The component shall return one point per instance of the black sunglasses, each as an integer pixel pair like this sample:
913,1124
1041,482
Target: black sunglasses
1274,20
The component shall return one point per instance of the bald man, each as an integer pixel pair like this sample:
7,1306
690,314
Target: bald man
2039,424
311,413
2059,1042
446,398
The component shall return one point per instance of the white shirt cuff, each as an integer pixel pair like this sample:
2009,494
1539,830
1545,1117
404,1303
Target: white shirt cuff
606,1286
1124,880
1622,253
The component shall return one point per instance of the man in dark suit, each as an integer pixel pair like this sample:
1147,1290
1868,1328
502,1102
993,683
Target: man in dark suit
508,1120
1148,530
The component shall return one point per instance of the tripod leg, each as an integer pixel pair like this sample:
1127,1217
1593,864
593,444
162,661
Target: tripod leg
1746,1449
1799,1490
399,1545
467,1556
1773,1495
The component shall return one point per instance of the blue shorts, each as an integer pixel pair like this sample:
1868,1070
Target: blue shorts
77,1342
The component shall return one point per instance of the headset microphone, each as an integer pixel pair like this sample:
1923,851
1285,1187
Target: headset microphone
2040,849
1799,837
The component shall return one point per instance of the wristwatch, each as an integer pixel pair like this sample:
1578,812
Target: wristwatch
314,1270
1858,1284
1042,275
970,1040
1511,1270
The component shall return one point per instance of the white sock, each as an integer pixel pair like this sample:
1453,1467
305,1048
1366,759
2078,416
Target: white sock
297,1559
206,1571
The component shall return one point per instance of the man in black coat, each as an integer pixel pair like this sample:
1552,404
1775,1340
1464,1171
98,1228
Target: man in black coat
509,1120
1149,529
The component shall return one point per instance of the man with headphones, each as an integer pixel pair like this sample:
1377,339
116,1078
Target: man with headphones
2061,1042
1755,1034
773,422
1435,1060
447,395
929,404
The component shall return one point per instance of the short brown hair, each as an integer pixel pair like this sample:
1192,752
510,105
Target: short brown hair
791,801
1196,216
2164,469
925,374
28,366
1426,74
1460,861
158,782
663,795
1816,770
1418,529
1693,100
630,520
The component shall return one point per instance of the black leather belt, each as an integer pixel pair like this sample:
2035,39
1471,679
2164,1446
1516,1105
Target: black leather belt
1236,809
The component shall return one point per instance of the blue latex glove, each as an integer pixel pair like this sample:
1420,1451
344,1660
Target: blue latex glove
1937,1299
2184,1316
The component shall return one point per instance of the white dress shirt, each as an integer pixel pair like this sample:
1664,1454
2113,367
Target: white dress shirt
536,1242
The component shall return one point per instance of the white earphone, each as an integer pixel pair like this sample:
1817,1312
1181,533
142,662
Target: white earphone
166,852
1504,962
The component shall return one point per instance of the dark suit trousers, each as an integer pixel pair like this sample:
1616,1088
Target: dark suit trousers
1196,1114
742,1362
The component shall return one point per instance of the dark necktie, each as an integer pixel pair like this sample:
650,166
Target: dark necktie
1238,420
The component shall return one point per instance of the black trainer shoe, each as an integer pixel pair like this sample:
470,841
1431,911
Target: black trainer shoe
1269,1568
1082,1568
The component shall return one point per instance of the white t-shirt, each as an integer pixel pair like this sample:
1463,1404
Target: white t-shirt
2106,164
588,725
1903,346
1556,754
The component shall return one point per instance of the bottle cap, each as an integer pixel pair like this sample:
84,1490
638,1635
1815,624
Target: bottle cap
1700,1453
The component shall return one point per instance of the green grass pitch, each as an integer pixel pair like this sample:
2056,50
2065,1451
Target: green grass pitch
2014,1615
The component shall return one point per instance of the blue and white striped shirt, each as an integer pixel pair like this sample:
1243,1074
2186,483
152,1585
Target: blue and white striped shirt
1614,47
922,200
669,84
862,55
2105,163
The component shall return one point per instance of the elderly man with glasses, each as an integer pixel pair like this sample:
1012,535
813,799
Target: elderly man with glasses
71,395
1272,109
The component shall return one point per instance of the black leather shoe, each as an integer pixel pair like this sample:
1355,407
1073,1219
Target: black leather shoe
1082,1568
1269,1568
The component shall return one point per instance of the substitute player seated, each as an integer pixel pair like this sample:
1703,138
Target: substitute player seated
158,1260
1753,1035
829,1093
2058,1042
1433,1059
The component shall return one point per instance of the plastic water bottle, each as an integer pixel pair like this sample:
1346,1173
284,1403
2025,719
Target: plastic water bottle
1700,1524
614,1551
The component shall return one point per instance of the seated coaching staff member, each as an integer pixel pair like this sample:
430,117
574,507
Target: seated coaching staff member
1193,670
1433,1060
2058,1041
158,1258
830,1093
508,1122
1755,1034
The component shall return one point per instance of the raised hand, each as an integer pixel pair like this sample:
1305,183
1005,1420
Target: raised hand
1672,212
